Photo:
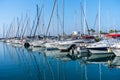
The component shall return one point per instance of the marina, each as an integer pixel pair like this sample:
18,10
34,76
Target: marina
60,40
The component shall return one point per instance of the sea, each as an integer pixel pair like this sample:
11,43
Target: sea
19,63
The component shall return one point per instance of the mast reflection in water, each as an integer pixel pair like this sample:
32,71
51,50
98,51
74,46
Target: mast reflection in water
18,63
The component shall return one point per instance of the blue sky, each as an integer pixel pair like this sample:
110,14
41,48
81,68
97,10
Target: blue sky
110,13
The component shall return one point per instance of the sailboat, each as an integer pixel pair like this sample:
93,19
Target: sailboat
67,44
51,44
37,42
102,46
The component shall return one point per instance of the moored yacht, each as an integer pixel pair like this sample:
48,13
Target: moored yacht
102,46
68,44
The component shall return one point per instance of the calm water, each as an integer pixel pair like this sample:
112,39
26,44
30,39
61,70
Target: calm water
17,63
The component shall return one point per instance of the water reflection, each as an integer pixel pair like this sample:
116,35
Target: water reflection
19,63
115,63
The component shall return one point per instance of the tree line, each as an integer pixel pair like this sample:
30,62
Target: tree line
92,31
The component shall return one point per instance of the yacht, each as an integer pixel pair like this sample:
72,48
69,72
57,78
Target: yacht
68,44
102,46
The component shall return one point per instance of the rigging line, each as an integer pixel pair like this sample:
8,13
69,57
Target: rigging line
17,27
51,17
95,20
85,19
60,22
81,18
8,31
26,27
18,24
38,18
22,29
33,26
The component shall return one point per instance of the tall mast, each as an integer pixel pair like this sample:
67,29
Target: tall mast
81,18
84,16
28,27
37,20
43,20
50,18
14,28
57,18
99,18
63,19
37,29
18,24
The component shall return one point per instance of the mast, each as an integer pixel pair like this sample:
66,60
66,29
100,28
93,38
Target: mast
39,13
18,29
63,19
84,16
43,20
86,28
17,33
23,26
28,27
47,31
99,19
57,17
9,31
13,29
32,28
37,21
81,18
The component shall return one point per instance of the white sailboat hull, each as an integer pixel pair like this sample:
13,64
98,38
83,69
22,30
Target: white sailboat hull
38,43
98,51
51,46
